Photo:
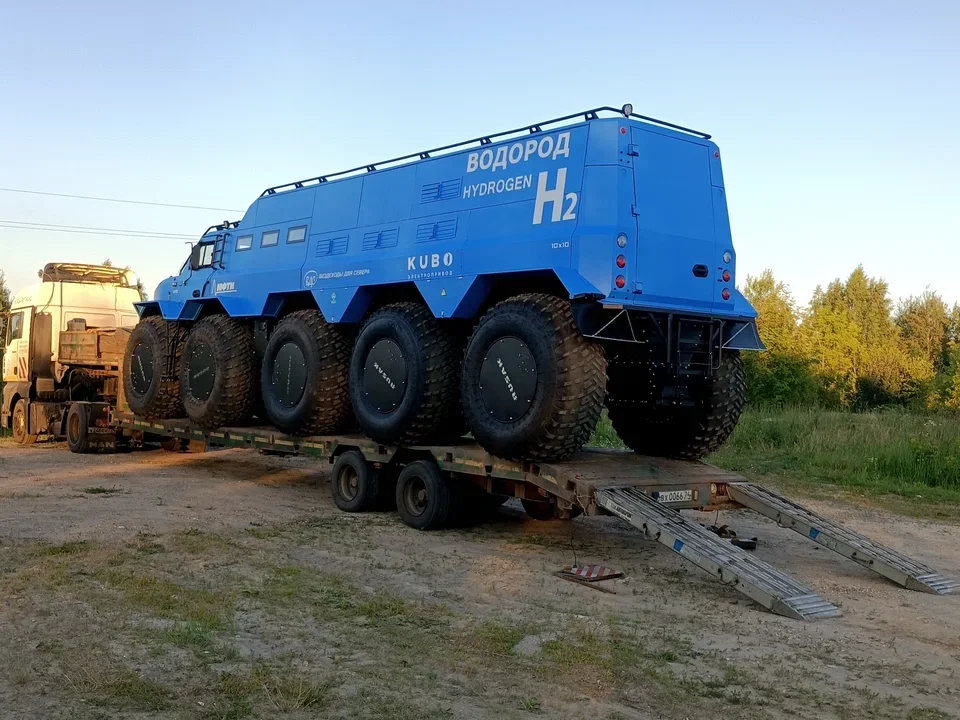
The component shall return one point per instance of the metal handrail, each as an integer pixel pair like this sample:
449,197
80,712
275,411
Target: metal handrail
587,115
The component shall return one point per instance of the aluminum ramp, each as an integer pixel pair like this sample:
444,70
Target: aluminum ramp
764,583
872,555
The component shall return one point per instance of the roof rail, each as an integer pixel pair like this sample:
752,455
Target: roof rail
587,115
225,225
78,272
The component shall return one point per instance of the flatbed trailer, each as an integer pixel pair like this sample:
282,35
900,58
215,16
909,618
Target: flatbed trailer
646,492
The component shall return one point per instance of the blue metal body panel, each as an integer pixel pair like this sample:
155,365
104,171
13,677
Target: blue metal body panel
549,202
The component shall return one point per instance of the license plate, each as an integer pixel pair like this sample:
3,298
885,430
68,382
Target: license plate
672,496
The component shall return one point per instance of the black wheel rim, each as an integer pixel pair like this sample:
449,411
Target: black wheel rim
508,379
415,496
141,368
201,372
289,375
348,483
385,376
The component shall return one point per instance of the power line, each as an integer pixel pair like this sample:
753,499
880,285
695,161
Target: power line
117,200
134,234
52,227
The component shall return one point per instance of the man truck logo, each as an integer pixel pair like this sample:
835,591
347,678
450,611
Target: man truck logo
310,279
426,262
225,287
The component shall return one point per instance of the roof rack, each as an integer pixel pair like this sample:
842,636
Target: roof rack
77,272
225,225
587,115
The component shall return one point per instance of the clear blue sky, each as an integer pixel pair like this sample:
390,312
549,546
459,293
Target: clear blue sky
837,120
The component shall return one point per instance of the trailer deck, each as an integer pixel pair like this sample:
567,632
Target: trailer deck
646,492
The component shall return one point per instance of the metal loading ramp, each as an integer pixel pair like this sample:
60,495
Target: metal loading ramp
761,582
899,568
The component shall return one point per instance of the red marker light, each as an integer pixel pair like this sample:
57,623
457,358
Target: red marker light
621,261
623,131
725,294
726,276
621,281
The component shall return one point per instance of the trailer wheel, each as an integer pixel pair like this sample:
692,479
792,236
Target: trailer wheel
175,444
78,425
355,486
542,510
217,378
650,423
404,376
20,421
304,375
424,497
533,386
146,389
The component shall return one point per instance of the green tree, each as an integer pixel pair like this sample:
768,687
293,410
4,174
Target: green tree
4,306
782,375
925,325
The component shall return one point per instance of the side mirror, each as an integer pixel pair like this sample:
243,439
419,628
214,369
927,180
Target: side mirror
195,257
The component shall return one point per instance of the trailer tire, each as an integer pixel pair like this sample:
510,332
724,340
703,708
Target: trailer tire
304,375
404,376
533,386
424,496
217,377
20,422
78,428
355,483
649,428
146,390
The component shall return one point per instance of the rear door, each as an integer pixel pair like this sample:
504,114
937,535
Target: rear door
676,249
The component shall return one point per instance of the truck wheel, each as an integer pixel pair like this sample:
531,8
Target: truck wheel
533,387
304,375
147,391
355,486
424,498
217,379
404,375
686,431
20,420
78,424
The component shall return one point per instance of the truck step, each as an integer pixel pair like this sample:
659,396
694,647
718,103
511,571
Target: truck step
761,582
872,555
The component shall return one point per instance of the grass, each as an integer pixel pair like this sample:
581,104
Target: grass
914,458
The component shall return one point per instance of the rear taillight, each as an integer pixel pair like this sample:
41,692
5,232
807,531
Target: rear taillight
725,294
621,281
621,261
726,276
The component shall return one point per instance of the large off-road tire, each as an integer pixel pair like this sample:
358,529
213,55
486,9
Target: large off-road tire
656,415
78,428
217,372
533,386
404,376
304,375
147,391
20,422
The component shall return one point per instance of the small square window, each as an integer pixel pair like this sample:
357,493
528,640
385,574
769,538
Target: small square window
297,234
244,242
270,238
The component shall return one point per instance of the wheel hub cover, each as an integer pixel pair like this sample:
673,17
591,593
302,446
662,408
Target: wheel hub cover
202,372
289,375
385,376
141,368
508,379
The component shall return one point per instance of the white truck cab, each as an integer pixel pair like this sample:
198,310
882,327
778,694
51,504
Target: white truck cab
69,297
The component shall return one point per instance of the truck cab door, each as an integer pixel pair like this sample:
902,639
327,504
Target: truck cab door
198,282
16,356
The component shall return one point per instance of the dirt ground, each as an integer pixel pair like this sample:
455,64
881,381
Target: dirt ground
227,585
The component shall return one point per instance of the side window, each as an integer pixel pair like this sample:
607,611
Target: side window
297,234
269,239
244,242
206,255
15,327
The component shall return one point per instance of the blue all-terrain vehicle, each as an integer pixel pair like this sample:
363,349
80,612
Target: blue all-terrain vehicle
508,286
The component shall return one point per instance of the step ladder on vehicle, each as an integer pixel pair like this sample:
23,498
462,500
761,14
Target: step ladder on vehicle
772,588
